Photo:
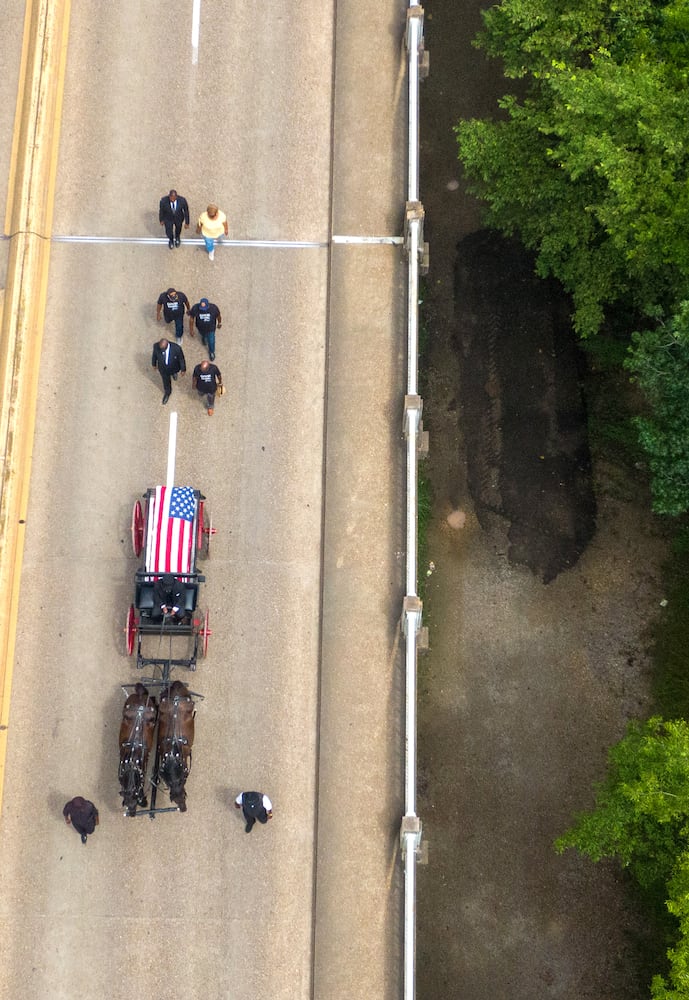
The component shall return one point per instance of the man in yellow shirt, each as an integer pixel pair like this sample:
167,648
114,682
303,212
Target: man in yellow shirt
212,225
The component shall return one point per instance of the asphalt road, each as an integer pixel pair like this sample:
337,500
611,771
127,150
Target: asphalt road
292,123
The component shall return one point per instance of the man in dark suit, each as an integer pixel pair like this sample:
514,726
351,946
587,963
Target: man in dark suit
172,213
169,360
168,598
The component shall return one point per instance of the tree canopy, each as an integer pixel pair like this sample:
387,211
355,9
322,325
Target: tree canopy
641,818
589,164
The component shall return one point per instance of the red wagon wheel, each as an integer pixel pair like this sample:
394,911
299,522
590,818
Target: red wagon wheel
203,544
204,632
210,531
137,528
200,526
130,629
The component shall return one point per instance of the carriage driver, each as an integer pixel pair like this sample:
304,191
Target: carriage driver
168,597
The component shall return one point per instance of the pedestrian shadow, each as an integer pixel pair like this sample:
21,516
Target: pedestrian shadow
143,362
108,781
224,796
57,801
148,315
151,224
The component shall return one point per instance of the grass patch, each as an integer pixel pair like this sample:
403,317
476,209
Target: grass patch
424,495
424,503
612,402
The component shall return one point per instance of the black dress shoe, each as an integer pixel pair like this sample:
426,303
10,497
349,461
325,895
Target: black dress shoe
174,377
170,244
165,398
212,357
83,838
177,242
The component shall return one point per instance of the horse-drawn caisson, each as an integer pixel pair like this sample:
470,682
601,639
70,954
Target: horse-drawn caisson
172,528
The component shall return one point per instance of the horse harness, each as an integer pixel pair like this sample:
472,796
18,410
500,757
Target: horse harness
176,743
135,747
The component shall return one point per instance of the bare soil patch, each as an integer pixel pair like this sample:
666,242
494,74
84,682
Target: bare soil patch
522,405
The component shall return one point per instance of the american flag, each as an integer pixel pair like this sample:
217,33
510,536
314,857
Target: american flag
170,538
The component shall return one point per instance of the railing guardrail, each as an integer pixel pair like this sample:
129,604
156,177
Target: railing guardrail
416,446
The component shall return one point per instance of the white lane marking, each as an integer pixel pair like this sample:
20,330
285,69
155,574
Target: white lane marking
171,450
395,240
156,240
195,31
268,244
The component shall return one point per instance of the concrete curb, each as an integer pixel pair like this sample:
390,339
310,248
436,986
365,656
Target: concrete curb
28,223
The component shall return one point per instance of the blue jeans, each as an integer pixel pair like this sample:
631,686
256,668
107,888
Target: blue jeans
210,242
209,340
179,323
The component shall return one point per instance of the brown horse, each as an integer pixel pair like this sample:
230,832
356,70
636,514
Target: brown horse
139,717
175,740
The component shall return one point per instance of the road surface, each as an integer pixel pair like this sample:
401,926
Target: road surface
293,123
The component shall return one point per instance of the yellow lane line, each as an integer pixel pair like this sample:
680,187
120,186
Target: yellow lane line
28,222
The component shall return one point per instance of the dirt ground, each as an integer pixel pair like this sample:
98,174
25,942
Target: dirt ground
545,575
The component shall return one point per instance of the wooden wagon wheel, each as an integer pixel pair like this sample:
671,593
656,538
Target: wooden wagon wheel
200,526
137,528
203,544
210,530
204,632
130,629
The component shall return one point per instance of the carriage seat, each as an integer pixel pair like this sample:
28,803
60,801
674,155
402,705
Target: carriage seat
144,597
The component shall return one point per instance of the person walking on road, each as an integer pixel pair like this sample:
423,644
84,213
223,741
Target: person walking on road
207,317
172,304
169,360
212,225
255,806
207,380
173,211
82,815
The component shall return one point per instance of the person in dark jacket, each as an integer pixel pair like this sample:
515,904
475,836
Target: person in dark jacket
172,305
255,806
168,597
82,815
173,211
169,360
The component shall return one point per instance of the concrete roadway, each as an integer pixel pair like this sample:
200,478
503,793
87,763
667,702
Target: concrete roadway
302,464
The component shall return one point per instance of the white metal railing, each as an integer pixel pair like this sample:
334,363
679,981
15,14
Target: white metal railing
416,250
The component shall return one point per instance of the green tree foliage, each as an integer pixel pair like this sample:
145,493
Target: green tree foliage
660,361
641,818
589,166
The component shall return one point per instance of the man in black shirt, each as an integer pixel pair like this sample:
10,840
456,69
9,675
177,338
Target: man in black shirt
173,211
207,316
172,305
169,360
206,380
